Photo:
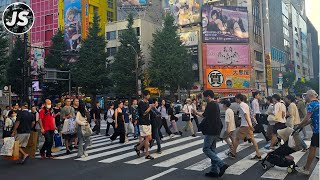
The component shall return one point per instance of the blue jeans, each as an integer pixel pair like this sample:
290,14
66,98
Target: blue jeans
209,147
136,130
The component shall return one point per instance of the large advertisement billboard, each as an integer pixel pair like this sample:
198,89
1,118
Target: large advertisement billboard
226,54
72,23
227,78
37,58
133,2
225,24
184,11
189,38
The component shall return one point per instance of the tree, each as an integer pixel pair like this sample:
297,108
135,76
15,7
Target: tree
55,60
288,79
15,68
90,71
313,84
3,56
170,66
124,66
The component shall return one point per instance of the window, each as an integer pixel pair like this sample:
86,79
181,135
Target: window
111,51
297,54
138,31
286,31
111,35
256,22
110,4
120,33
110,16
258,56
48,19
48,35
295,29
285,19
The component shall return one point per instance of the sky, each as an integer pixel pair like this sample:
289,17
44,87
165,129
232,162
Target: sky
313,13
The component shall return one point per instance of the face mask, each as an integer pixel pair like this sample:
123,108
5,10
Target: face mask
48,106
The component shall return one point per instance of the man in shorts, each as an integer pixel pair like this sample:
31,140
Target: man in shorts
144,109
245,130
311,117
22,129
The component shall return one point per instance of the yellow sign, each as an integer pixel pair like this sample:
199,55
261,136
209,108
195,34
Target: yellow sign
153,90
269,70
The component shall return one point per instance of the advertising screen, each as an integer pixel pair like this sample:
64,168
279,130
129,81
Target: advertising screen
189,38
226,54
184,11
72,23
133,2
227,78
225,24
37,58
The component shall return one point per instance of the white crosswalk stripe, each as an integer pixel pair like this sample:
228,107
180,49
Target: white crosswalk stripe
189,150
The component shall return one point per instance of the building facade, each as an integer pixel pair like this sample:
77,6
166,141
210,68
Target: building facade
312,32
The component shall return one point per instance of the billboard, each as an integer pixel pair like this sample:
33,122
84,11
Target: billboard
133,2
37,58
184,11
226,54
225,24
189,38
72,23
227,78
269,70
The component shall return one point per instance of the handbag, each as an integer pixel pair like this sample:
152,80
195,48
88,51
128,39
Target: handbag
7,148
57,140
185,116
86,130
69,126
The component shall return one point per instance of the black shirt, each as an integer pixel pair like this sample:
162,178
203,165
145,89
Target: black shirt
213,123
76,109
57,118
144,118
97,112
25,118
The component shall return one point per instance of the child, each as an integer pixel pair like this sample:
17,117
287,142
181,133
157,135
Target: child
229,125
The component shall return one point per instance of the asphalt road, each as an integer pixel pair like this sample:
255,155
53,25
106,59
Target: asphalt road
182,158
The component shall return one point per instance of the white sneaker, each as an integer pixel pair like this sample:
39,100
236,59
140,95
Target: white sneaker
171,135
83,156
85,153
302,170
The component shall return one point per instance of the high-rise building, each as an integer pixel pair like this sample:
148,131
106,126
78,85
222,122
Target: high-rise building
314,44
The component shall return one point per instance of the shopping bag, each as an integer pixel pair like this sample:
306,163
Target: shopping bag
69,126
86,130
7,148
15,152
291,142
57,140
32,145
131,128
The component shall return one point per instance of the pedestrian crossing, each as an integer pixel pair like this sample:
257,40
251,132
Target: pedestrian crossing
182,153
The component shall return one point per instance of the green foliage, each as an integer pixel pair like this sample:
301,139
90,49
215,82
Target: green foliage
288,79
170,64
300,87
3,56
124,66
90,71
54,60
313,84
15,66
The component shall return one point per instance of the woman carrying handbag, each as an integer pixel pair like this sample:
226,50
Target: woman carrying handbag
187,110
84,131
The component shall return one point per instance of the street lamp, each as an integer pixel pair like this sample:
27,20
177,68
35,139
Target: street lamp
136,70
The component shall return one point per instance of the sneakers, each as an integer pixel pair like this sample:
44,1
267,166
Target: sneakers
231,155
83,156
302,170
171,135
159,151
149,157
223,169
107,135
68,152
85,153
50,157
43,156
306,138
194,135
256,158
212,174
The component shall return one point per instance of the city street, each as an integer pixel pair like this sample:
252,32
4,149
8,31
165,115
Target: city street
181,158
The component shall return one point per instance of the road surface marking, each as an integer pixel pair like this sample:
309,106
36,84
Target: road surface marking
315,173
184,157
281,172
206,163
166,152
161,174
95,156
123,156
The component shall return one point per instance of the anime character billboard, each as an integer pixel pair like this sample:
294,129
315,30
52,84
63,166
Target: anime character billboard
72,24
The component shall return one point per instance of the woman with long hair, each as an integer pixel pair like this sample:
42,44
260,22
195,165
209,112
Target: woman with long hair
119,124
81,120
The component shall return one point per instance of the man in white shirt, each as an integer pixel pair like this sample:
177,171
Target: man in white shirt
257,113
280,114
245,130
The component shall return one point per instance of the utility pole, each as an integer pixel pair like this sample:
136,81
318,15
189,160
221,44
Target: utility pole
24,80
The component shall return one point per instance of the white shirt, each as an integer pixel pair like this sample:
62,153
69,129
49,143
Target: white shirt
279,108
109,115
244,109
188,109
255,107
163,112
230,120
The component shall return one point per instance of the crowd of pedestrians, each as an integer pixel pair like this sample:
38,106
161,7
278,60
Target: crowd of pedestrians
145,118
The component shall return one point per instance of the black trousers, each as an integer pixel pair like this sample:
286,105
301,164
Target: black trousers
108,127
116,134
156,136
166,127
46,148
259,127
96,128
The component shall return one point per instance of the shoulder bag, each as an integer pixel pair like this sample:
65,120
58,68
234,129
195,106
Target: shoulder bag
186,116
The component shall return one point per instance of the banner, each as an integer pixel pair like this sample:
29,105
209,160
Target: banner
269,70
37,58
225,24
133,2
227,78
189,38
226,54
72,23
184,11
